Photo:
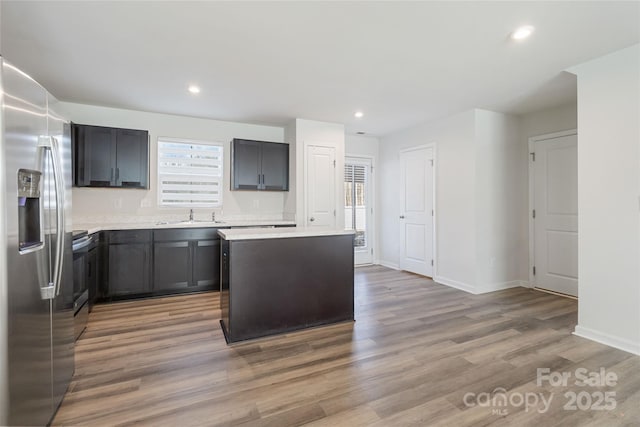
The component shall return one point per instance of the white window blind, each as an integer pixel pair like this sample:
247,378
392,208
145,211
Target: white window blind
189,173
355,181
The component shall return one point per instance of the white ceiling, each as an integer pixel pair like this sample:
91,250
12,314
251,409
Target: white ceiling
269,62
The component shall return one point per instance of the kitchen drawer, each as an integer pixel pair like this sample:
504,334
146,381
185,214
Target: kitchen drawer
181,234
130,236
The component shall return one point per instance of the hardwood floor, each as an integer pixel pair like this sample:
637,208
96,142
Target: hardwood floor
415,354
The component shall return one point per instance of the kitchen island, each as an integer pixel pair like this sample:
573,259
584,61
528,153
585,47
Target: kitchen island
280,280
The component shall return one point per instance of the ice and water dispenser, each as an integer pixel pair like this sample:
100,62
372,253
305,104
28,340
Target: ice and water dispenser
29,229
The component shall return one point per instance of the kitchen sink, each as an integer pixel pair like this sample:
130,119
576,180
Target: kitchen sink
189,221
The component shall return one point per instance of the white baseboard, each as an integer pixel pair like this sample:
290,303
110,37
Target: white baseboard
525,284
607,339
387,264
455,284
500,286
482,290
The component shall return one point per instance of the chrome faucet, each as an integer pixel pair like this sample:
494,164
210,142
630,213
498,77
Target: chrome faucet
213,216
190,214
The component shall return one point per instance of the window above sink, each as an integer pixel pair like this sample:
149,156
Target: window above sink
190,173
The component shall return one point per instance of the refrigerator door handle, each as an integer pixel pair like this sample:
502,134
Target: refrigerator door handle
60,212
50,144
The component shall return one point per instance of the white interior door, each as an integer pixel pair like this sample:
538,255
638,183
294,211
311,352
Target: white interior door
357,207
416,210
555,203
321,186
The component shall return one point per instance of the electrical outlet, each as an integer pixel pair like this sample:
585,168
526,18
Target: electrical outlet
145,203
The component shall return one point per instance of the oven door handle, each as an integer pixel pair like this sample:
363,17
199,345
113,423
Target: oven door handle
82,243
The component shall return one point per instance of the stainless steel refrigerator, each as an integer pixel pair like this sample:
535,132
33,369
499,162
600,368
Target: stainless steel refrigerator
36,277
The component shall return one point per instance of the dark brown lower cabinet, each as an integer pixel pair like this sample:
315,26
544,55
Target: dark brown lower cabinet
206,263
129,263
186,260
171,266
143,263
129,269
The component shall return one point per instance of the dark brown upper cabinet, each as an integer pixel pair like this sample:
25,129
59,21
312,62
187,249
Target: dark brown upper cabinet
259,165
110,157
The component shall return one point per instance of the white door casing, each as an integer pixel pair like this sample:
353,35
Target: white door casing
360,170
417,210
320,186
554,214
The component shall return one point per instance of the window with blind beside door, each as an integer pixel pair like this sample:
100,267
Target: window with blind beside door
355,203
190,173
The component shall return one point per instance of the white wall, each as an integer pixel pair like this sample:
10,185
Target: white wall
361,145
312,132
608,199
455,201
550,120
295,170
501,209
480,209
107,204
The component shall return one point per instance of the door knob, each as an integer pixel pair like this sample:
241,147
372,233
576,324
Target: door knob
401,216
312,219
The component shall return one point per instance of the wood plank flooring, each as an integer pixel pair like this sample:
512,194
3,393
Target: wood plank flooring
415,353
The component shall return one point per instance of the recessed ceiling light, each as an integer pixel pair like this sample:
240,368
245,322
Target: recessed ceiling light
359,114
194,89
522,33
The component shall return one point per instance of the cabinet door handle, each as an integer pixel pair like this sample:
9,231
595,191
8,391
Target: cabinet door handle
263,180
112,175
117,175
401,216
258,179
312,219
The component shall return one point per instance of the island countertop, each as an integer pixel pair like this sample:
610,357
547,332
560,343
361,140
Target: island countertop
280,233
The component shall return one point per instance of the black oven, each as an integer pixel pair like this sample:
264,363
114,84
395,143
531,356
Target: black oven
82,244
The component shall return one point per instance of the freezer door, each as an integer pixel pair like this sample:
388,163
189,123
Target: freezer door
29,333
62,314
41,345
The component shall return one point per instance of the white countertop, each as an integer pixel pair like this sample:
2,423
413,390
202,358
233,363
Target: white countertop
94,228
279,233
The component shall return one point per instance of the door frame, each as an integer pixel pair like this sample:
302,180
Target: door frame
371,194
532,247
434,249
